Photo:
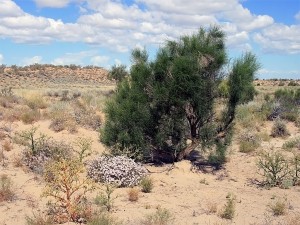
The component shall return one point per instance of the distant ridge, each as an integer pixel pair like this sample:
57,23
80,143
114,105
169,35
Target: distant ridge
46,75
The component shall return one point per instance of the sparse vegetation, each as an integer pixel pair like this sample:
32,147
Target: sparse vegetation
279,207
103,219
275,168
105,198
67,191
146,184
160,217
133,194
6,188
279,129
228,210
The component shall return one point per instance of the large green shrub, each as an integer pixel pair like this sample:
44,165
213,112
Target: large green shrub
165,102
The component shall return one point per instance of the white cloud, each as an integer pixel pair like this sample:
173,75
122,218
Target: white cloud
297,16
280,38
119,27
32,60
74,58
52,3
1,58
100,60
9,8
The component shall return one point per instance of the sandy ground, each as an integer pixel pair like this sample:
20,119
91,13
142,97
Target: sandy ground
187,193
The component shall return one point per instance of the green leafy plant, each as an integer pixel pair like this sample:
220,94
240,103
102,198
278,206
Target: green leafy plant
274,167
146,184
84,147
105,198
160,217
228,211
103,219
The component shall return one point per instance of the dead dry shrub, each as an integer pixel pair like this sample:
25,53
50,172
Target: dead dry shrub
6,190
7,146
279,207
67,191
39,219
36,101
133,194
30,116
211,207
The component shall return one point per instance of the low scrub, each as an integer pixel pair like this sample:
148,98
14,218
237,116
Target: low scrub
119,170
279,129
160,217
274,167
228,210
249,141
293,143
6,190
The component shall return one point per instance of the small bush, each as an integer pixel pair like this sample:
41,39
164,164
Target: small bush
133,194
6,191
36,102
275,168
248,141
39,219
293,83
229,208
279,208
279,129
103,219
120,170
295,169
104,198
211,207
83,147
7,146
146,184
30,116
293,143
66,186
160,217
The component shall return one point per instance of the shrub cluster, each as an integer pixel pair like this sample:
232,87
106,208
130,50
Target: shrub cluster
119,170
279,170
279,129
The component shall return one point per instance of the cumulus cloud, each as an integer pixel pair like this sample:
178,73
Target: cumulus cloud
52,3
32,60
297,16
83,57
280,38
9,8
119,27
100,60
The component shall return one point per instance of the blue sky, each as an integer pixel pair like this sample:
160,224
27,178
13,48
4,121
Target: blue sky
103,32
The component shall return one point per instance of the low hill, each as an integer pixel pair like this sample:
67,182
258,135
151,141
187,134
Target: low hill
52,76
